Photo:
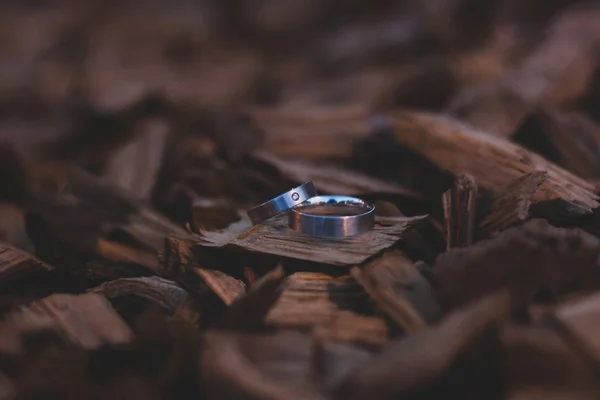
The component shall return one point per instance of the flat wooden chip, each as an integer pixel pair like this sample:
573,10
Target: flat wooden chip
321,304
510,205
87,321
523,259
15,264
274,366
275,237
494,162
399,290
418,359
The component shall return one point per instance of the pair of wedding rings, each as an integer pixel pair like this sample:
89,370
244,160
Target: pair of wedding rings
322,216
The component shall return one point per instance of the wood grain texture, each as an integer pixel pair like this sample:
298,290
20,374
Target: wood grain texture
492,161
87,321
17,264
322,305
275,237
460,211
400,291
510,205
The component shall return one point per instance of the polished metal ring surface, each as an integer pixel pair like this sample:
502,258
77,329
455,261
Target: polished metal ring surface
282,203
333,216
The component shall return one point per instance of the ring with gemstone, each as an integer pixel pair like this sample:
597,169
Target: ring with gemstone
282,203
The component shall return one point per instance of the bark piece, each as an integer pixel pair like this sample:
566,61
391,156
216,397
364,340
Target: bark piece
493,162
136,165
510,205
419,359
332,179
460,208
250,310
16,264
321,304
523,259
537,361
275,237
329,132
556,72
87,321
399,290
581,318
275,366
568,138
161,291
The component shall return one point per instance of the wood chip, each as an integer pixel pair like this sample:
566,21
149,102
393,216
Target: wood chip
421,358
558,71
570,139
16,264
321,304
334,361
460,208
135,166
90,205
258,366
87,321
539,361
510,205
493,162
83,214
524,259
179,262
275,237
312,133
331,179
226,287
399,290
250,310
160,291
581,318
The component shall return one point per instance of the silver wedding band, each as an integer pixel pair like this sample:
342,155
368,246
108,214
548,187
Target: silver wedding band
332,216
282,203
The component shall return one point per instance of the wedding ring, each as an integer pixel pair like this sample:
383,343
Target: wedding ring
332,216
282,203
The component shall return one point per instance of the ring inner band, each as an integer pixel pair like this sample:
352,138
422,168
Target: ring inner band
336,210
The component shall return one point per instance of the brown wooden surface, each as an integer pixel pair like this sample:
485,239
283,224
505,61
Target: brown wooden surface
134,136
